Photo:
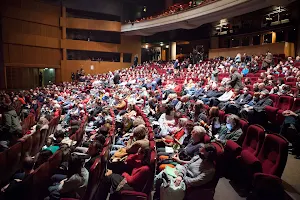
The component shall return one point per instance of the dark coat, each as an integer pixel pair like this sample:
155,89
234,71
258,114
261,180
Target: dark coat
236,80
261,104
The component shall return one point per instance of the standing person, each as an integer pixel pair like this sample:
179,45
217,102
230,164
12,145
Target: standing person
73,77
77,75
215,74
116,78
176,64
267,61
40,79
135,60
235,79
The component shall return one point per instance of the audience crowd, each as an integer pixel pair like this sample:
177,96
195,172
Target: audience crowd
182,104
175,9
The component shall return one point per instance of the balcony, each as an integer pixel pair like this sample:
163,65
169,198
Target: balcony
198,16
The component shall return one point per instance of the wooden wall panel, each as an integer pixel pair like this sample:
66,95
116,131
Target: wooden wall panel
32,16
89,46
31,40
32,56
10,25
131,44
5,53
276,48
32,5
21,78
70,66
89,24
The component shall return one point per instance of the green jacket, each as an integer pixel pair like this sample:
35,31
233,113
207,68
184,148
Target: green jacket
225,135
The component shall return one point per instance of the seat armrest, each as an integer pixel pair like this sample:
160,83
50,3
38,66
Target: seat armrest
262,178
249,159
233,147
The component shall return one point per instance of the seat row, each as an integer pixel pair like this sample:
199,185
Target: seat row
11,160
260,157
99,167
78,135
36,185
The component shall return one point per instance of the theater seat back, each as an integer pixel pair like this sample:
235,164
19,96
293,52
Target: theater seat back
285,102
273,154
244,124
254,139
36,139
94,179
296,105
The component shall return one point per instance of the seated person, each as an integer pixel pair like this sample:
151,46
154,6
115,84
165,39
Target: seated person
197,172
135,181
59,136
14,188
291,128
120,104
166,122
50,145
257,112
223,98
235,105
214,120
178,134
198,113
137,140
185,153
93,151
213,93
123,134
74,183
231,131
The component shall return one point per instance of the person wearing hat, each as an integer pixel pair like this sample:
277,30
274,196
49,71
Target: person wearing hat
255,113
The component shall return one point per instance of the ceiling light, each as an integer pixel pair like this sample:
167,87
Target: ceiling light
146,46
167,46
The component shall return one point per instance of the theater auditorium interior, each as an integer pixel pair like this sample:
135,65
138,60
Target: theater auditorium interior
150,100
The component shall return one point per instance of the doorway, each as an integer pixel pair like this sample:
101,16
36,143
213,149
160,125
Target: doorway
46,76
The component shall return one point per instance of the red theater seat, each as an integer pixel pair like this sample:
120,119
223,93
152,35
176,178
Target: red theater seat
270,162
55,161
244,124
271,114
285,102
14,159
36,139
207,190
296,105
274,98
253,140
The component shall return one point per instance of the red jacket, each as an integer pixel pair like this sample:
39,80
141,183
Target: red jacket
138,178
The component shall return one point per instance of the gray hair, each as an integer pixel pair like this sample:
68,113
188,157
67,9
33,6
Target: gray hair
200,131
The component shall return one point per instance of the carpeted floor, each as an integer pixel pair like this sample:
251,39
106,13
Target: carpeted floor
224,190
291,177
